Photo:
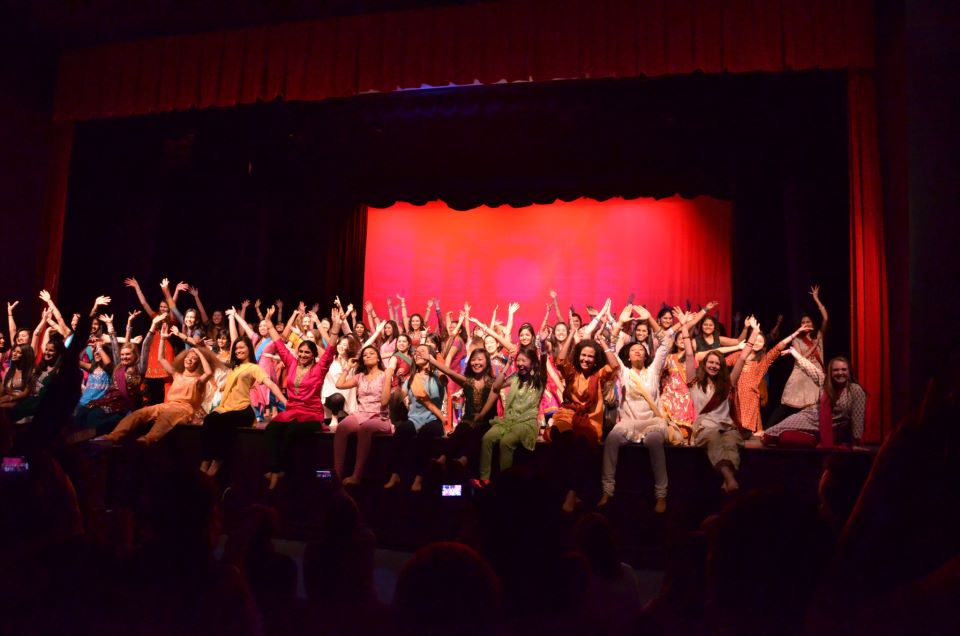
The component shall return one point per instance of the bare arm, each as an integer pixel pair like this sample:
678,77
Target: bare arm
511,310
270,384
609,352
556,304
815,292
348,379
405,321
232,324
38,330
506,344
132,282
246,328
388,383
204,318
376,334
751,346
721,350
11,323
450,373
207,370
256,308
171,301
164,334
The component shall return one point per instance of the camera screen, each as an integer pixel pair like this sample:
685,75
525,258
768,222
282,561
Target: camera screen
451,490
324,475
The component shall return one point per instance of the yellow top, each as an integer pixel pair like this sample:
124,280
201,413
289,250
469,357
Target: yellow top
236,390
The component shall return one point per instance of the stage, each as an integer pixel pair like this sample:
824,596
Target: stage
405,521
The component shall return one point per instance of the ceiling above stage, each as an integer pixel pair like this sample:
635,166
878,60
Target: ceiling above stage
77,23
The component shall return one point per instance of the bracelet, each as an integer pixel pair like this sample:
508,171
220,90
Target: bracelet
610,350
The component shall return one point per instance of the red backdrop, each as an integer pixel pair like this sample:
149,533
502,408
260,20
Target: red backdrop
663,250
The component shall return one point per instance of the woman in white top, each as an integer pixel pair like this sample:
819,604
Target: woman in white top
714,428
334,399
640,418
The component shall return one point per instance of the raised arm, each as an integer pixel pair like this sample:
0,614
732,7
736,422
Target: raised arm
11,323
348,379
488,330
812,370
232,324
609,352
204,318
207,370
495,390
62,327
815,292
376,334
689,360
128,335
107,319
164,334
171,300
256,308
450,373
371,314
556,304
511,310
246,328
721,350
449,343
751,346
132,282
38,330
404,321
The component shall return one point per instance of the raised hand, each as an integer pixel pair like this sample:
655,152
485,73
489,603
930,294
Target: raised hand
642,313
232,311
710,305
174,330
553,294
132,314
625,316
131,282
158,319
106,318
164,283
278,303
45,296
256,304
429,303
101,301
368,306
165,331
601,340
12,306
270,311
466,307
302,307
182,286
244,305
350,309
314,308
401,299
815,292
193,291
513,307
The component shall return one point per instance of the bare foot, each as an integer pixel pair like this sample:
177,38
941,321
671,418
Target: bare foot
462,461
394,480
570,502
351,481
275,479
729,479
604,500
204,466
442,460
661,506
417,484
214,468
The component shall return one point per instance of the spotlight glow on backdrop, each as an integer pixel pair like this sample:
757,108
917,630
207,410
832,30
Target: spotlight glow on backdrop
668,250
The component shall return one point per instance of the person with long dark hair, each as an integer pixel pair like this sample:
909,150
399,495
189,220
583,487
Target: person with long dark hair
156,379
640,418
372,384
18,381
412,439
476,382
518,424
304,414
711,389
220,426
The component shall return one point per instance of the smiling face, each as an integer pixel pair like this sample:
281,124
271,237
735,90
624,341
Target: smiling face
478,362
305,356
305,323
190,318
217,317
360,330
16,354
49,352
191,361
128,355
491,345
223,342
403,343
388,331
241,351
524,364
526,337
642,332
416,322
712,364
839,373
666,320
708,327
588,357
164,307
420,356
575,322
263,328
560,332
23,337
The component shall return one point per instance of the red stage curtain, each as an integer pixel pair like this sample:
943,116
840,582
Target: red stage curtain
55,205
869,317
663,250
512,40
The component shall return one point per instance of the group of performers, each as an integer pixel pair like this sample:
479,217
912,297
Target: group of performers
673,378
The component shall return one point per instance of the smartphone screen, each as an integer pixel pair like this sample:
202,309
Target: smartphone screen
324,475
451,490
15,465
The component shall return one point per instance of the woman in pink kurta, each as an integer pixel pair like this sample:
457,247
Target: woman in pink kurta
304,413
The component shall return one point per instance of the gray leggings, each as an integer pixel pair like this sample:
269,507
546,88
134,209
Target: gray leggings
653,437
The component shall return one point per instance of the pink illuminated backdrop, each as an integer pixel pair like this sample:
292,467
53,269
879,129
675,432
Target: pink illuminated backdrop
661,249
